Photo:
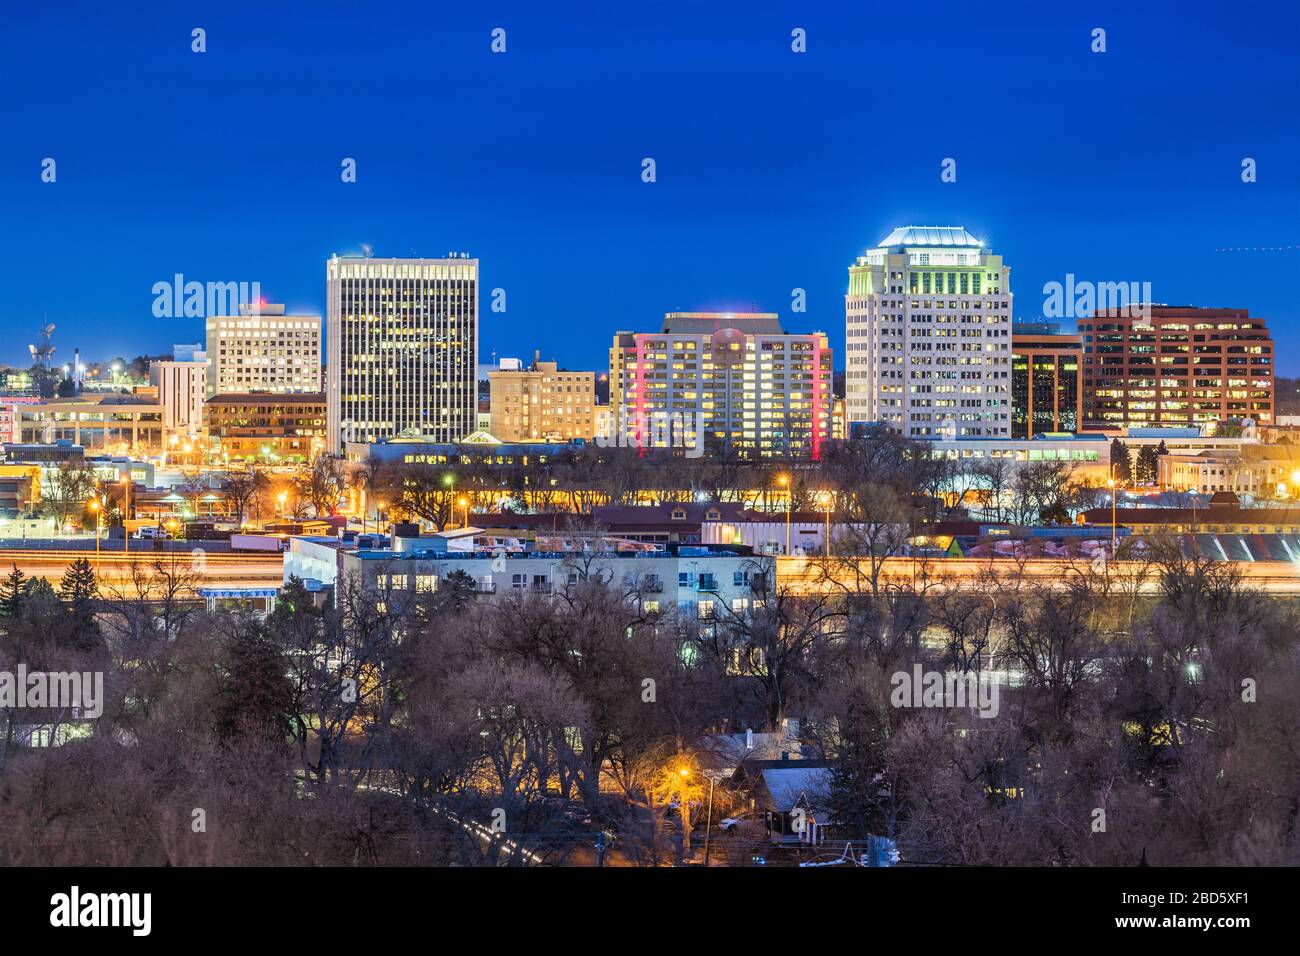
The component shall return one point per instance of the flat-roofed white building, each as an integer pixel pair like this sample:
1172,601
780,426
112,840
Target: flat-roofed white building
928,336
263,350
697,582
182,386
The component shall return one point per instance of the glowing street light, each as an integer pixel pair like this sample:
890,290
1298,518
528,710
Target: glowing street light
94,506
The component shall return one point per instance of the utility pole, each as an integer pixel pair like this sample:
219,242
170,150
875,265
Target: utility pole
1114,495
708,825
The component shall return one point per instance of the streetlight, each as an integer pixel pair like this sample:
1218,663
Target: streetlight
94,506
464,503
284,496
684,775
784,482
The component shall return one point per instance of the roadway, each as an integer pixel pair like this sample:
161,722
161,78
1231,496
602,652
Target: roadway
114,568
807,575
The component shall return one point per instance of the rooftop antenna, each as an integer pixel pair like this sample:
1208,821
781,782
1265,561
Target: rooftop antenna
43,348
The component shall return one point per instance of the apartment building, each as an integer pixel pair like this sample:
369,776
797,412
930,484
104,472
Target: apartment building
697,582
729,381
542,403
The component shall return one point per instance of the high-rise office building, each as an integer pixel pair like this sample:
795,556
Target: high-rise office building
542,403
263,350
738,379
1045,378
1175,365
403,348
182,386
928,323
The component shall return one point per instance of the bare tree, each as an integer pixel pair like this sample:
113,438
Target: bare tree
243,489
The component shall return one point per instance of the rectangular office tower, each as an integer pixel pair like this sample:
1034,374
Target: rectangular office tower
733,381
928,322
402,345
1175,365
263,350
1045,375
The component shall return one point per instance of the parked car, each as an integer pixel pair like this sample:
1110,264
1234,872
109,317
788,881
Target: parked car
149,533
729,824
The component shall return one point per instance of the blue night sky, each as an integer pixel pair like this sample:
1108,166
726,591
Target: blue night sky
774,169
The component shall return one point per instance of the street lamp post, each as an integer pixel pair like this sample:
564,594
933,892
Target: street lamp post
830,502
708,824
464,503
94,506
1114,488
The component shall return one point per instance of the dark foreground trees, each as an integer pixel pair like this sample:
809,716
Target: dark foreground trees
1150,716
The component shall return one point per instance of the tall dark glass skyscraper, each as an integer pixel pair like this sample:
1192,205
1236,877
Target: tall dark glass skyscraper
1045,379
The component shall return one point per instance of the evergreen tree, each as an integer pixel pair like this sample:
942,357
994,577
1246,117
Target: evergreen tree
13,592
78,590
1148,465
1121,461
78,585
858,795
254,696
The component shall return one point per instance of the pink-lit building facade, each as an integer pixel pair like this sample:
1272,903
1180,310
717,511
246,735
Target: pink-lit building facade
722,382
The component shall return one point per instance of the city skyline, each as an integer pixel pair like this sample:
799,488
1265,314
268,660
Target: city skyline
768,180
432,451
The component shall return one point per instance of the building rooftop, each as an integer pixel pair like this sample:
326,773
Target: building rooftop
710,323
1216,515
267,398
430,554
930,236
